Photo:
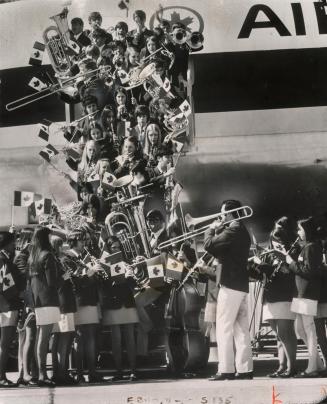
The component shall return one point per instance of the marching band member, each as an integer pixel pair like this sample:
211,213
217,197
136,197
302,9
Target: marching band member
77,33
27,326
119,312
9,301
44,283
157,227
152,143
120,31
95,21
131,155
142,118
64,330
139,35
89,158
86,318
307,269
278,295
100,38
230,244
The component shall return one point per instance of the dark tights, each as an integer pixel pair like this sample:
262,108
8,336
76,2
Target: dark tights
320,324
86,346
7,335
128,332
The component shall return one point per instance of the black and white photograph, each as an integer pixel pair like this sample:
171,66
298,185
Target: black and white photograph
163,199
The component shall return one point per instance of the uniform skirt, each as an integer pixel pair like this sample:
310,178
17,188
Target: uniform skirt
123,315
47,315
9,318
277,311
66,323
301,305
322,310
86,315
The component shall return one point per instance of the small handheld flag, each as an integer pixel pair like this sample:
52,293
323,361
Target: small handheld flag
37,84
48,152
23,198
174,268
185,108
37,54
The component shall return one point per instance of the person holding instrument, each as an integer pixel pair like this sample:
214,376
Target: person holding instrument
278,295
230,244
307,269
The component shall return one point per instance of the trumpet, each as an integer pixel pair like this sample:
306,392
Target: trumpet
242,212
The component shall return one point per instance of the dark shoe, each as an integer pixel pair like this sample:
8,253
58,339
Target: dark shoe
96,379
132,377
66,381
80,379
244,376
275,374
46,383
117,377
288,374
7,383
306,375
323,373
222,376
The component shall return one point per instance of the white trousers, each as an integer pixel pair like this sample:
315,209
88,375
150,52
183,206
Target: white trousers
232,326
306,330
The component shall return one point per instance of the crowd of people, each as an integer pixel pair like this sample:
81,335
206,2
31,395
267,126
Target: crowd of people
66,279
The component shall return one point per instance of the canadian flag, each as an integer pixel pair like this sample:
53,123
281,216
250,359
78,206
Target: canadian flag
37,54
185,107
122,74
23,198
108,179
37,84
156,272
174,268
42,207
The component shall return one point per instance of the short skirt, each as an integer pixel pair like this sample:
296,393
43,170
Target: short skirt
277,311
86,315
47,315
9,318
123,315
66,323
322,310
210,312
301,305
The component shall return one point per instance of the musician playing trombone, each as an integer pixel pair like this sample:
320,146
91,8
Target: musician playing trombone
228,240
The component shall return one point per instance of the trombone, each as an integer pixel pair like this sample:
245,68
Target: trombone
242,212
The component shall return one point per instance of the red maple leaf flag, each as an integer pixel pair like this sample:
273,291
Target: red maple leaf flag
117,267
43,207
44,129
155,268
108,179
174,268
23,198
37,84
48,152
185,107
123,76
37,54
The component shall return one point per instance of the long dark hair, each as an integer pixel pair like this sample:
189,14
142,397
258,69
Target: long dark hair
283,232
40,245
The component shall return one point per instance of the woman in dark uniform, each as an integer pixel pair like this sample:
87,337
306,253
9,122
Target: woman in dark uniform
307,269
278,295
9,301
44,284
86,318
64,330
119,312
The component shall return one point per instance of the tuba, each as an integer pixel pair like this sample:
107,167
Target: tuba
57,39
119,225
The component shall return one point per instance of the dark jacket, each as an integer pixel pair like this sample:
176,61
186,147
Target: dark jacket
66,294
230,245
85,287
115,296
22,265
308,271
83,40
9,298
45,281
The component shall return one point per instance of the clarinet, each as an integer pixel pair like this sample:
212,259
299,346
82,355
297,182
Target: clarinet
67,270
278,267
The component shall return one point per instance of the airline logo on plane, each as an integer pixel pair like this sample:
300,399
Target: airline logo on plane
192,20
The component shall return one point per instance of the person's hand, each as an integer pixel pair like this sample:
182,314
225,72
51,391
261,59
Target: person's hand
66,276
181,256
289,259
169,172
217,224
257,260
